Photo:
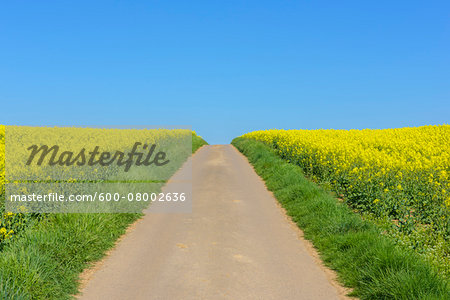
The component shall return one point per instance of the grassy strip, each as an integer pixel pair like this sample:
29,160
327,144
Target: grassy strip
364,259
44,262
197,142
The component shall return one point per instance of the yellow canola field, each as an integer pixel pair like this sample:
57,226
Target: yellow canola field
400,173
177,143
2,156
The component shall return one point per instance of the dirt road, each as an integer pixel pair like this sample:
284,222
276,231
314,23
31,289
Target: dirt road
236,244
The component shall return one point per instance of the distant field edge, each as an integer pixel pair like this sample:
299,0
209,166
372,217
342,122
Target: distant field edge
364,259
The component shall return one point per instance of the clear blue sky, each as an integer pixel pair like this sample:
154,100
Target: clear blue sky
225,67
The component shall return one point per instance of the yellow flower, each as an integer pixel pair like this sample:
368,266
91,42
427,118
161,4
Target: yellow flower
8,214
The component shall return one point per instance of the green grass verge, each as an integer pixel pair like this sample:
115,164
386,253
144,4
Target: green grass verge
363,257
45,260
197,142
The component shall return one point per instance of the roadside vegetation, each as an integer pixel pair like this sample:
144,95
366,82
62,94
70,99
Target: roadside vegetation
42,255
399,178
197,142
365,258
